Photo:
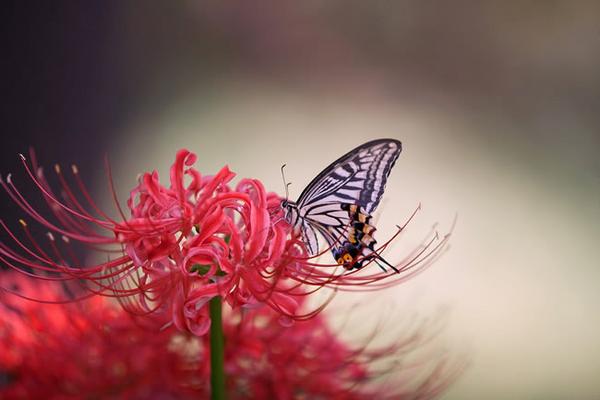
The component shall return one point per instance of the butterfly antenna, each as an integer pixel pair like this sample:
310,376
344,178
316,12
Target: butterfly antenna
287,185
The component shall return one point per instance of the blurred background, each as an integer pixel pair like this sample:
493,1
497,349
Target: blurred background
496,103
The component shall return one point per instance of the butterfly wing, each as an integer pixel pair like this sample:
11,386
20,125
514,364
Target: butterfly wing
358,177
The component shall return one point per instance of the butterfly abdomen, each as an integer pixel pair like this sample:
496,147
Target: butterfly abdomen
359,241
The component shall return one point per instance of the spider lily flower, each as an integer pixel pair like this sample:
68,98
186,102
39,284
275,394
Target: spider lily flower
94,349
265,359
184,244
87,349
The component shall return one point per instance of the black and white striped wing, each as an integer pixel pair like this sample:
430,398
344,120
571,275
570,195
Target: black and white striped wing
358,177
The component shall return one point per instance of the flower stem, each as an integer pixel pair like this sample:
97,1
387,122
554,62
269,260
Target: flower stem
217,349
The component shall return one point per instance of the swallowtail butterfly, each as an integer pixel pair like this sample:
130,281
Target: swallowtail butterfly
339,202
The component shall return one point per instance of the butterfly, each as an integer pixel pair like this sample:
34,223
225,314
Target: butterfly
338,204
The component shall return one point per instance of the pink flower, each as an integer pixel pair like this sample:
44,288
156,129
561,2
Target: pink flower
185,243
92,349
88,349
264,359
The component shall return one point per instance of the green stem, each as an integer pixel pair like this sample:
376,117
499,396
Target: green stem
217,350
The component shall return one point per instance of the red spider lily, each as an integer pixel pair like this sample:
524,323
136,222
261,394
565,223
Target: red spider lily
93,349
184,244
308,360
88,349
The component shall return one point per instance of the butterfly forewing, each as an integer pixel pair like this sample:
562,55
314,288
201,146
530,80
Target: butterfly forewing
358,177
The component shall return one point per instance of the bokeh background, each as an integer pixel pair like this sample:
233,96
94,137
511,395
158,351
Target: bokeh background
497,105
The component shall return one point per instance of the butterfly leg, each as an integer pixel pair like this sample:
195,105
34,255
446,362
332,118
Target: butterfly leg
371,254
378,258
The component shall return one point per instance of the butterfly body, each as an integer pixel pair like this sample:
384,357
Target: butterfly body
359,242
338,203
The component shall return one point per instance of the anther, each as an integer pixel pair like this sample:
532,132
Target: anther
8,178
57,168
50,236
65,239
23,223
22,157
74,169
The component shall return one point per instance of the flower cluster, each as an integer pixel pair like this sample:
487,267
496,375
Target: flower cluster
93,349
184,244
87,349
190,243
265,360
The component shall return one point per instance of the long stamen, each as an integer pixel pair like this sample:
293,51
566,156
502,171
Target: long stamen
41,187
